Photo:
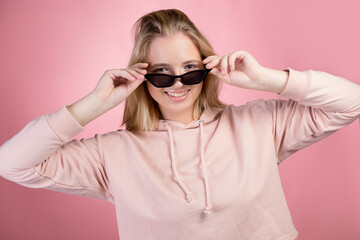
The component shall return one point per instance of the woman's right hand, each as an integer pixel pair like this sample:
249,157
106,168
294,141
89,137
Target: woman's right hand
116,85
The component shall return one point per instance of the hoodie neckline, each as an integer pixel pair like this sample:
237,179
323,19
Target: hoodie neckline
207,116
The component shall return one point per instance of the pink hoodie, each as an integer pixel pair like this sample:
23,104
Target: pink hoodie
214,178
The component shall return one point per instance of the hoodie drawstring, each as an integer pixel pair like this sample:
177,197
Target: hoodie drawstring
188,196
208,207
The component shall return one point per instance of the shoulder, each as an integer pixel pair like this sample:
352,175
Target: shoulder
122,136
257,111
115,137
251,107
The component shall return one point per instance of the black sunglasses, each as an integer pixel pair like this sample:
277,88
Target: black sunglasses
160,80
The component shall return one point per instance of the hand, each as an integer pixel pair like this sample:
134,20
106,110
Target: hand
116,85
238,69
242,70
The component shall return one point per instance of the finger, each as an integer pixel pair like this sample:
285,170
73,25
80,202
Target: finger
209,58
140,65
135,73
224,64
134,84
216,72
240,56
214,62
117,73
232,59
140,70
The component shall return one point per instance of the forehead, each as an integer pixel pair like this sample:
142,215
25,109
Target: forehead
173,50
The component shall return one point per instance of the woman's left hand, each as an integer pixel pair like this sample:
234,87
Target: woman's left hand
242,70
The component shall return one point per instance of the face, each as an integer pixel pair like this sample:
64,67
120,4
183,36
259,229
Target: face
174,55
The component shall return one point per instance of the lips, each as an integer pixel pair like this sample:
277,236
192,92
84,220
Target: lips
178,95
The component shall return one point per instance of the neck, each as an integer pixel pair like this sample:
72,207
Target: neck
181,117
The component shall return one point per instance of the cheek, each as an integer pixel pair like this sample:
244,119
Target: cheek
154,92
198,89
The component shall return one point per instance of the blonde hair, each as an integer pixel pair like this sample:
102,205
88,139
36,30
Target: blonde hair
141,110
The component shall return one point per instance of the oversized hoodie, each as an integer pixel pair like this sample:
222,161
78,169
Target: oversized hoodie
214,178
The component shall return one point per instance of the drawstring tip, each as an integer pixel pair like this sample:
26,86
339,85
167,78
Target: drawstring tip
188,198
207,211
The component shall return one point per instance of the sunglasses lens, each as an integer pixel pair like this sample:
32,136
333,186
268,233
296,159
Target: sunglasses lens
194,77
190,78
160,80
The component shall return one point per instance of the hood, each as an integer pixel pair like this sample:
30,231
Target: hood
208,115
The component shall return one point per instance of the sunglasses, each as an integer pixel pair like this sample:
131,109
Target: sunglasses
165,80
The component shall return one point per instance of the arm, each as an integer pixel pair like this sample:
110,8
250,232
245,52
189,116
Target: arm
87,109
319,104
41,155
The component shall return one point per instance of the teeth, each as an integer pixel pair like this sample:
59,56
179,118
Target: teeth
177,94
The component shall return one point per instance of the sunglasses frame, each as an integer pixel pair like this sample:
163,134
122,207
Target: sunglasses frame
173,77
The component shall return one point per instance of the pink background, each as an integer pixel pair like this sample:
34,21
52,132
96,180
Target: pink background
54,52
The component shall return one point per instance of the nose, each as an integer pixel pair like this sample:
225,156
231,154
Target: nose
178,83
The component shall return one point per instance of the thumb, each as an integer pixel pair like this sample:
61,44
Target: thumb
217,73
135,83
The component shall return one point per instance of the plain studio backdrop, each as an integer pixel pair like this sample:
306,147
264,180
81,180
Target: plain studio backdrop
53,53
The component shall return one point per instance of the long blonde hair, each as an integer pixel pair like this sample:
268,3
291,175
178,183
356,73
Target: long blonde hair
141,110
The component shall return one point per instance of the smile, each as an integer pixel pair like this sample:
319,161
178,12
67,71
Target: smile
177,94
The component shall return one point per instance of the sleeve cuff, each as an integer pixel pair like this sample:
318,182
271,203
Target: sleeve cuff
64,125
297,86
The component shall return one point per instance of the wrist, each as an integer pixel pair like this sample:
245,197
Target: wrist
87,109
272,80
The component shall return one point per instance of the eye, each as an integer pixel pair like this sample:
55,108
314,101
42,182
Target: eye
192,66
158,70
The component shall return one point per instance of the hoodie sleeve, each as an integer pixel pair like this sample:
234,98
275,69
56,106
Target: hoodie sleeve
318,105
41,155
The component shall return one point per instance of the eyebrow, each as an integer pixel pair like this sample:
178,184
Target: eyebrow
165,64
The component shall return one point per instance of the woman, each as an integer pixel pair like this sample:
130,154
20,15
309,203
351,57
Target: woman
187,166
